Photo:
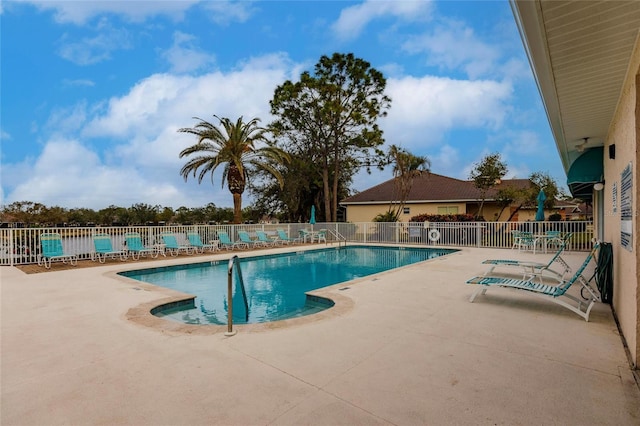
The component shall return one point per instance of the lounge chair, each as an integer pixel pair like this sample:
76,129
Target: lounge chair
264,239
535,269
104,248
136,248
245,238
285,238
226,242
555,293
198,245
51,245
172,246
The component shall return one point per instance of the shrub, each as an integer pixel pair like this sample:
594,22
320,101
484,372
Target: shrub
445,218
385,217
556,217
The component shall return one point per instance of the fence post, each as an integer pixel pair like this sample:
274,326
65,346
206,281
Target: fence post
11,248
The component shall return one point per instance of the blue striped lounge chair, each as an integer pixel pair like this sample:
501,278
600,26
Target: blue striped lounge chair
556,293
245,238
103,249
282,236
226,242
172,246
136,248
198,245
265,240
52,251
532,269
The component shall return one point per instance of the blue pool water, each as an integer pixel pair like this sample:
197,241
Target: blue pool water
275,284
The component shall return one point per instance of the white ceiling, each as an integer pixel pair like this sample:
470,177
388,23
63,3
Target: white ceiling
579,52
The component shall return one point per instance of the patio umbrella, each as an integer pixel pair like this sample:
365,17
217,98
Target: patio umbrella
540,213
312,220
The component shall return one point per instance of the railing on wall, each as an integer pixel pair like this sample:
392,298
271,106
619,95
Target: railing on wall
22,245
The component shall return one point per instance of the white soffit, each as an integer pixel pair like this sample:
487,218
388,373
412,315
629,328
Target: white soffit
579,52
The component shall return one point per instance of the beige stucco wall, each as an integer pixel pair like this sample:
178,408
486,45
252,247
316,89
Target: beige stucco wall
624,134
366,213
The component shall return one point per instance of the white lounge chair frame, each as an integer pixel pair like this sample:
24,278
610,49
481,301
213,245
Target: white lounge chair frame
172,245
52,251
136,248
554,293
103,248
535,269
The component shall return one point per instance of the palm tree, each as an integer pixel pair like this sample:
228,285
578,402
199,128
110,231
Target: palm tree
406,167
234,146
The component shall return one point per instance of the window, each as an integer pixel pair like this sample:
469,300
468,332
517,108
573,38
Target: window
406,210
448,210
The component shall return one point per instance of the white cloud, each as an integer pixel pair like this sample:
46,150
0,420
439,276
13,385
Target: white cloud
446,161
226,12
69,174
354,19
78,83
142,163
184,57
454,45
80,12
68,119
164,101
4,135
424,109
92,50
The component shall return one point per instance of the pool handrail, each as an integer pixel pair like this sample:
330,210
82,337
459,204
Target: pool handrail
234,261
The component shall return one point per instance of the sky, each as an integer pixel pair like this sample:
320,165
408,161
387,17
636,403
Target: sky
92,93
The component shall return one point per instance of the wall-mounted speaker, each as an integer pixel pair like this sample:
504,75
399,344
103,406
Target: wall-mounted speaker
612,151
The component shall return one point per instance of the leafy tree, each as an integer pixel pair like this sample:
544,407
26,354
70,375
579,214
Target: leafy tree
79,216
527,197
112,214
23,211
58,214
486,174
388,216
233,146
331,115
142,213
297,195
183,215
406,167
166,215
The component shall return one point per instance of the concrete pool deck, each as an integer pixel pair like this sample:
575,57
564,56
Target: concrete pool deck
408,350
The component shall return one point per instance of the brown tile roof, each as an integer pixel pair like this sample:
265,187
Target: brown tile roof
431,187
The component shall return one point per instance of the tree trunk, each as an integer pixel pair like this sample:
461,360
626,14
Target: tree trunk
237,208
236,184
334,195
327,193
513,213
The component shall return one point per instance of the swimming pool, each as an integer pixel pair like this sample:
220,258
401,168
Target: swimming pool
276,285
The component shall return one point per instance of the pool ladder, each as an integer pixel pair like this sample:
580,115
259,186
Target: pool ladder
338,236
235,261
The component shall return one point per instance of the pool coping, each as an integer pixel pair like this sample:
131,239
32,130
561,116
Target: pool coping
342,304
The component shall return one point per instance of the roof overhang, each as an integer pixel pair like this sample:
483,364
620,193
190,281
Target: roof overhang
579,52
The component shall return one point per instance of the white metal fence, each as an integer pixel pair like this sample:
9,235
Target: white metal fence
22,245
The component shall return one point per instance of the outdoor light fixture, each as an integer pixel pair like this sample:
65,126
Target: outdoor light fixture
598,186
581,146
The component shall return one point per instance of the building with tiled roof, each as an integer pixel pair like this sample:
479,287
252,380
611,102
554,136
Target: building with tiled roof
432,193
